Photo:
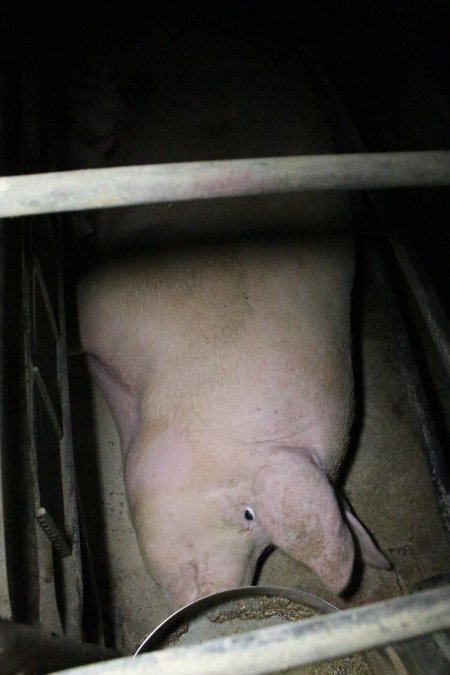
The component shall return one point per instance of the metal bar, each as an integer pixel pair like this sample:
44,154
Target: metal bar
27,649
42,389
348,139
5,396
74,587
301,643
428,302
45,297
431,444
52,531
121,186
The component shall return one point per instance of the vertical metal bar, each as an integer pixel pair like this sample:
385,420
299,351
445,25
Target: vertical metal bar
72,566
348,139
5,602
419,405
425,297
37,271
69,565
47,606
39,384
30,94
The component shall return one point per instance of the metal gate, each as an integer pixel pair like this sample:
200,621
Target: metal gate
47,560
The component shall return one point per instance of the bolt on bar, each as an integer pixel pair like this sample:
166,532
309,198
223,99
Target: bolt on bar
125,186
269,650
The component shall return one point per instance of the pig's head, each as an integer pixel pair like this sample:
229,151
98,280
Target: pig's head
202,531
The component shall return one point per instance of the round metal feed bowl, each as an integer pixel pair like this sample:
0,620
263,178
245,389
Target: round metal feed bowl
244,609
231,612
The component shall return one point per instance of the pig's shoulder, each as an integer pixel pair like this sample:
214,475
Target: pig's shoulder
109,300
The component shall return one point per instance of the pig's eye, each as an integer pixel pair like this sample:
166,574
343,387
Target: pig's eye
249,514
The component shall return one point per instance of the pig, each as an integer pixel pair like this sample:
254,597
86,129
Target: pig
228,371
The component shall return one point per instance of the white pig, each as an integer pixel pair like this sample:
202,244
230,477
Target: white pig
228,372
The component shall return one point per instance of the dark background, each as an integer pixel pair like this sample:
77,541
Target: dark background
389,61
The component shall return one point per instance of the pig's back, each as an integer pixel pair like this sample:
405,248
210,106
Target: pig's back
254,337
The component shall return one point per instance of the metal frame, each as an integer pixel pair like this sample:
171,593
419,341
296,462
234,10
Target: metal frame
377,229
354,630
309,641
301,643
42,562
49,419
419,405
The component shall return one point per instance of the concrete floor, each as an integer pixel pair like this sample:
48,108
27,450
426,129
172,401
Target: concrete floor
386,479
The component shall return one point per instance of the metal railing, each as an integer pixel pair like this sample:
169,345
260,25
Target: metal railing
277,648
306,642
150,184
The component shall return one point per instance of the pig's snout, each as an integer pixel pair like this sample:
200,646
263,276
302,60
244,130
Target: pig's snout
193,588
189,582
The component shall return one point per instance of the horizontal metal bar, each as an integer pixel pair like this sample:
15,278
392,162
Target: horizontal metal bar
28,649
121,186
301,643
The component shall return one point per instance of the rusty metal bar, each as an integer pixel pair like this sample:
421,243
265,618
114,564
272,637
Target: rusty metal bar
278,648
53,532
122,186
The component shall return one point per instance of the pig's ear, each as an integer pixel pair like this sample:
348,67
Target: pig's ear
370,553
298,508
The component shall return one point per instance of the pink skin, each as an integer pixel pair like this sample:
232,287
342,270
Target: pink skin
228,373
202,568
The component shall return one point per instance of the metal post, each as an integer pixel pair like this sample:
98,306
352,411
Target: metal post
431,444
425,296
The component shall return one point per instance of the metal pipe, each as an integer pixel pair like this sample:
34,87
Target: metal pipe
420,408
27,649
277,648
424,294
122,186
